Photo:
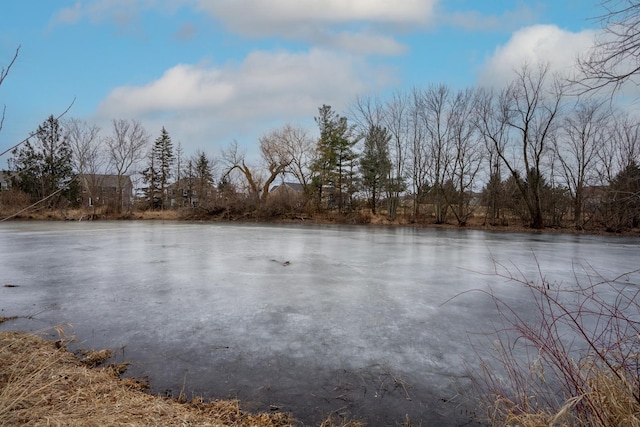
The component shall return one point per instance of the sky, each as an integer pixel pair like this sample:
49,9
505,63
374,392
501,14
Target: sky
215,71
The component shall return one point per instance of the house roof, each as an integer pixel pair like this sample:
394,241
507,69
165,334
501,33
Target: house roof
106,180
295,186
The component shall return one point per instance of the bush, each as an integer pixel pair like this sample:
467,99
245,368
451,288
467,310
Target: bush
575,363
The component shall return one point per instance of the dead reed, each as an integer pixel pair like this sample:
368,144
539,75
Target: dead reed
576,363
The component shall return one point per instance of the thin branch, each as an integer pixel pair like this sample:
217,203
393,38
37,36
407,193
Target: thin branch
32,134
4,72
34,204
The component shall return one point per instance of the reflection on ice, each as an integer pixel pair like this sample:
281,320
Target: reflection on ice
311,319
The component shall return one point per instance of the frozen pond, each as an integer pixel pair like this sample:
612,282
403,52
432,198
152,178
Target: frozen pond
312,319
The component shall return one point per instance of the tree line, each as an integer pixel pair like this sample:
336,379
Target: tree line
531,152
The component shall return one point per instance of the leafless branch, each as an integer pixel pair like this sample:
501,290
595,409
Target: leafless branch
4,72
34,132
614,59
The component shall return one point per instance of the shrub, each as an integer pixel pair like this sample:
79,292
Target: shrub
576,362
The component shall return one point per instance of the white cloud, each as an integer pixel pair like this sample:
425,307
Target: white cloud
358,26
534,45
120,12
69,15
215,103
181,87
186,32
329,23
366,44
476,21
275,16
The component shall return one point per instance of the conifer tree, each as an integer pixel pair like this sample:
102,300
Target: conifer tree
335,156
159,171
44,169
203,174
375,165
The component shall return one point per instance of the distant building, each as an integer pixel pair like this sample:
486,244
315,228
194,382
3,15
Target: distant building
191,192
102,190
288,188
289,194
5,180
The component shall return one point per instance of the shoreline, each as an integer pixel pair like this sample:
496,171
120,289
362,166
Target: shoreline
43,382
323,219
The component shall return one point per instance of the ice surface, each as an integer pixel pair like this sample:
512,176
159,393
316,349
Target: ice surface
312,319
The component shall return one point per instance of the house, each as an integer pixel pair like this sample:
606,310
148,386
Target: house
191,192
288,194
102,190
288,188
5,180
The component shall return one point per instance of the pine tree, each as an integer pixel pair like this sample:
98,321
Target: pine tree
164,154
334,154
375,165
203,175
624,198
44,170
151,177
158,173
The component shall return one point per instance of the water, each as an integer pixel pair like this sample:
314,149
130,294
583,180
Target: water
316,320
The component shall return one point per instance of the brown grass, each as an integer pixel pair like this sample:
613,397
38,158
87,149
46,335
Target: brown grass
162,215
43,384
609,396
576,364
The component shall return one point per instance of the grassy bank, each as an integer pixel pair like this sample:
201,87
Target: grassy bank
359,218
41,383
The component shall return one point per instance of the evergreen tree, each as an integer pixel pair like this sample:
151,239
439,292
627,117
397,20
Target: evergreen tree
44,170
203,174
158,173
375,165
334,154
151,178
164,155
623,202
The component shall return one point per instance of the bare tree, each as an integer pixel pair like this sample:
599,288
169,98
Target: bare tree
436,115
521,124
491,122
396,120
367,111
615,57
4,72
466,153
88,154
418,158
235,160
583,136
276,156
623,147
299,151
627,135
125,148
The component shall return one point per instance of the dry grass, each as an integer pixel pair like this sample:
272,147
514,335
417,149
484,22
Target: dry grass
576,364
43,384
609,402
163,215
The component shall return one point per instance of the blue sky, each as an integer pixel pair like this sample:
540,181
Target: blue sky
212,71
